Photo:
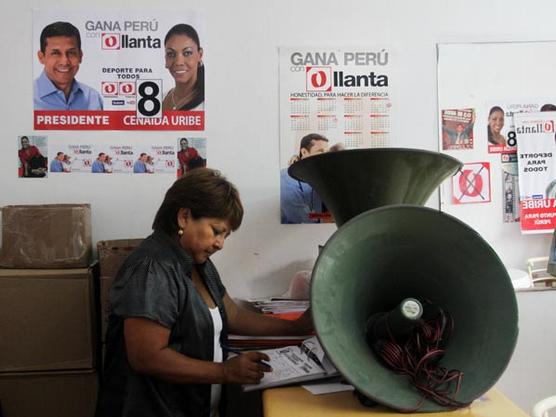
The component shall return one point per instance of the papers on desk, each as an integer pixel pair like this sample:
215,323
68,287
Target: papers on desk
293,364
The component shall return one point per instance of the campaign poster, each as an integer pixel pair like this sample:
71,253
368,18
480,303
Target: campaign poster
457,129
155,159
537,171
510,188
118,70
471,184
331,98
70,157
192,153
500,129
32,156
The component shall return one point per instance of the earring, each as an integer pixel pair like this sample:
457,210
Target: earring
180,232
200,64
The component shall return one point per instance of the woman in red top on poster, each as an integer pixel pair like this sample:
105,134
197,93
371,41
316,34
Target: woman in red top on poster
26,153
185,155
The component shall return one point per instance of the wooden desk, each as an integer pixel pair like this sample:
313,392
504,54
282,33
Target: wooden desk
297,402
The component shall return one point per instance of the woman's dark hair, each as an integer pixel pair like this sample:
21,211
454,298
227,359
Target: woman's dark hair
206,193
190,32
183,29
489,132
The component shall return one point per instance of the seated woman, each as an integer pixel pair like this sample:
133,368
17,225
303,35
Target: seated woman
171,314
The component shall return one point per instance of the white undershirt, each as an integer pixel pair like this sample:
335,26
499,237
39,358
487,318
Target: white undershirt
216,389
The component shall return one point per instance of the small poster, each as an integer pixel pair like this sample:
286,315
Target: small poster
457,129
192,153
471,184
510,188
32,156
118,70
537,171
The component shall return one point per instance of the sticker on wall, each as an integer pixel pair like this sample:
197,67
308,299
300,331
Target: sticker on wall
123,70
471,184
32,156
192,154
457,129
510,188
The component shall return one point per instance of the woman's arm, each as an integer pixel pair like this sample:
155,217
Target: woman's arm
242,321
148,353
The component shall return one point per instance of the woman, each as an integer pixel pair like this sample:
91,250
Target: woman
171,313
184,61
32,162
185,155
495,125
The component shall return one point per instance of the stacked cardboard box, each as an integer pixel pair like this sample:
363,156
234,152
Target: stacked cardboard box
111,254
47,314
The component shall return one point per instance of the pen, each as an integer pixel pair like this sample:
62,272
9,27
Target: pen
311,355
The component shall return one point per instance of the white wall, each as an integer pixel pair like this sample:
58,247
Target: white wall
242,114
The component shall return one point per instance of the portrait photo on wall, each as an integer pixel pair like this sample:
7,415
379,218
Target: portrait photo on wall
118,70
32,156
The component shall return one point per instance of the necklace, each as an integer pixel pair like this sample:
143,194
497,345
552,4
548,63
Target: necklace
180,102
175,106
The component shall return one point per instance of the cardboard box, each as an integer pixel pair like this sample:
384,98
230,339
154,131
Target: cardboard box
46,236
49,394
112,254
46,319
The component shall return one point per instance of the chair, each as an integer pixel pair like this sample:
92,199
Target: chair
543,406
537,268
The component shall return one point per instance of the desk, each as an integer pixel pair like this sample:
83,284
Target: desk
297,402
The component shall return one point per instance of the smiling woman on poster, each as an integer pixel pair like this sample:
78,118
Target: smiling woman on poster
495,125
183,55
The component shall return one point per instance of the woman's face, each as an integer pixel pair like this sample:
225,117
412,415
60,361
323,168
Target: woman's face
496,121
203,236
184,144
182,58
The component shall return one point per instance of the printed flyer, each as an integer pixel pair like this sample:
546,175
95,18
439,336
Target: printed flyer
500,130
510,188
32,156
537,171
192,153
330,99
114,158
118,70
457,129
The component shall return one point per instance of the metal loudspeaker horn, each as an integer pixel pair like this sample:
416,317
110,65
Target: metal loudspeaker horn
385,253
353,181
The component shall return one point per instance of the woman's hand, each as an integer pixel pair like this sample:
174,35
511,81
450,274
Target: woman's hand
246,368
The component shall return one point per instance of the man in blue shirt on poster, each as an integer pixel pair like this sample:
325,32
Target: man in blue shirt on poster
98,165
56,164
56,88
139,167
297,198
